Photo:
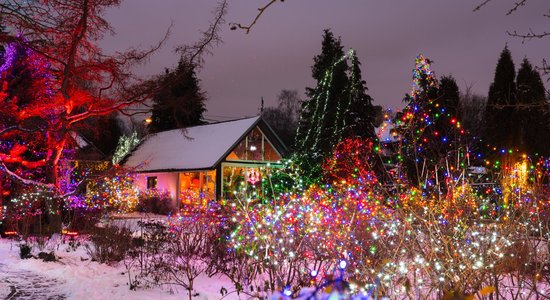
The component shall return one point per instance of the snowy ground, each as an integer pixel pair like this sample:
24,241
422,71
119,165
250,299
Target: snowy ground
76,277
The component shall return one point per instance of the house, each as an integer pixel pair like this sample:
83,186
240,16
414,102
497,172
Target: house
215,161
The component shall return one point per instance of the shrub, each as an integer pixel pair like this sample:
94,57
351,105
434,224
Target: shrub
25,251
83,220
109,244
156,202
146,256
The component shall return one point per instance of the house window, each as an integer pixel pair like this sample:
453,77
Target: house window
254,147
152,182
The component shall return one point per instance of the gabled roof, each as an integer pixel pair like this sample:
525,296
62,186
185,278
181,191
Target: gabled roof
193,148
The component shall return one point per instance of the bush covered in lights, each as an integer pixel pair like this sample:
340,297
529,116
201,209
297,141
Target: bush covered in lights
397,243
117,193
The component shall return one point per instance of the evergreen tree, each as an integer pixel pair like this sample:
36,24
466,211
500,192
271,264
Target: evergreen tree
337,108
359,116
318,115
533,111
414,119
447,118
429,128
449,97
315,136
181,102
501,128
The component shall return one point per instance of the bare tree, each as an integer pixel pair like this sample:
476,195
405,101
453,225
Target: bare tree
471,111
64,33
82,81
525,36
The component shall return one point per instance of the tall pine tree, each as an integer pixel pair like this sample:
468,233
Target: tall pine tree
447,119
501,128
359,116
318,118
430,129
181,102
318,115
337,108
414,124
533,111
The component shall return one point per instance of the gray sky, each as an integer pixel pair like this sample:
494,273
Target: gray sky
279,51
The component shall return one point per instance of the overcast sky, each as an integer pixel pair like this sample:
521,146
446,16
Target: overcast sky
279,51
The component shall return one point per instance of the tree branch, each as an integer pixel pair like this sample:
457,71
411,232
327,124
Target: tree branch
24,180
481,5
194,54
247,28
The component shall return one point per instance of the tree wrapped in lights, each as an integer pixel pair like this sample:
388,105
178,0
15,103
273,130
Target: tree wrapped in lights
359,114
71,81
428,130
338,107
26,208
126,144
351,163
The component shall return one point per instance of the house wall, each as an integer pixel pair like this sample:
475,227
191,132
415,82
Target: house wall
165,182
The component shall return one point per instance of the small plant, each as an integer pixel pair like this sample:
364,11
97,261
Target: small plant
47,257
190,248
109,244
25,251
155,202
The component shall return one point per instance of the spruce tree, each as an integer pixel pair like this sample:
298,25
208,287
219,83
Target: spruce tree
447,119
429,128
319,112
533,111
318,119
337,108
360,114
501,128
180,103
412,121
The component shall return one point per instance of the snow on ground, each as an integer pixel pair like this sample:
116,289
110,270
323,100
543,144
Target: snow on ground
76,277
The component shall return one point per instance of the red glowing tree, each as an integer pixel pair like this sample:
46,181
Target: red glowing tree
80,82
54,77
59,79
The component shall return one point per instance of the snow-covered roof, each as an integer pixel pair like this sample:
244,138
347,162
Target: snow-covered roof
194,148
384,133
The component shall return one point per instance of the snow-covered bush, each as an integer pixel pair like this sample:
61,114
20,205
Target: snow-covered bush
147,258
109,244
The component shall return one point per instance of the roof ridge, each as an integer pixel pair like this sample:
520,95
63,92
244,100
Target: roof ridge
214,123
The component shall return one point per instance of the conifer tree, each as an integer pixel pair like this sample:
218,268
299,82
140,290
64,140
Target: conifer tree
359,116
501,128
447,120
318,115
414,122
315,136
533,111
181,102
429,129
337,108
